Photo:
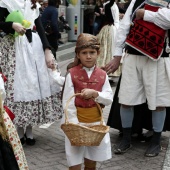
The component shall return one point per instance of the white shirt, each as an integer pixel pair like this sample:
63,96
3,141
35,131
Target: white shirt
105,96
57,77
115,14
160,18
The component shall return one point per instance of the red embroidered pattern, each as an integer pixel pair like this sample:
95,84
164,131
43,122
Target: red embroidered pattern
146,37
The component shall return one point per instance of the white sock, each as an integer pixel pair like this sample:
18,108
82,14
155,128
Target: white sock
29,132
20,131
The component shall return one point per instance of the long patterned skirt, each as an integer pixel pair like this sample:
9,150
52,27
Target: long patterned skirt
12,155
30,110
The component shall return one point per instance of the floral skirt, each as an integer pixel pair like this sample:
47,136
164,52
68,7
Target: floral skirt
14,153
35,112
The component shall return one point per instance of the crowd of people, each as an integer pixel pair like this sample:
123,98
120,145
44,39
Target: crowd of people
120,34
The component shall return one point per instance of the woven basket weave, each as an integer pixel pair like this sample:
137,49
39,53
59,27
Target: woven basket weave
80,135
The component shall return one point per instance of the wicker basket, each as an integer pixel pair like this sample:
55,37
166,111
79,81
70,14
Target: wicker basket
80,135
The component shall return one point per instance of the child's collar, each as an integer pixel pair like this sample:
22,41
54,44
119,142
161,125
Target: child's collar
89,69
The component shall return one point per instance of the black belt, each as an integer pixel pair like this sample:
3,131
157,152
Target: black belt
132,51
29,35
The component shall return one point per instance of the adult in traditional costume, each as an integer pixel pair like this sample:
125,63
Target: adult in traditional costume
12,156
25,60
142,118
107,34
145,77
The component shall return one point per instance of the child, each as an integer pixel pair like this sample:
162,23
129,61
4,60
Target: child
91,82
12,156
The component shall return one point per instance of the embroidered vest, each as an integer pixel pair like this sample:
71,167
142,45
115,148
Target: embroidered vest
146,37
81,81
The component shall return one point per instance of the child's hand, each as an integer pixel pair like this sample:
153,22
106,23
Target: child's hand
54,67
89,93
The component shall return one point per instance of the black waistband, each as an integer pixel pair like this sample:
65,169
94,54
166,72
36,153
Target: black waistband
29,35
131,50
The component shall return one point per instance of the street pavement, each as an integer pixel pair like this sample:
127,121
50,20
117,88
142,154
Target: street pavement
49,154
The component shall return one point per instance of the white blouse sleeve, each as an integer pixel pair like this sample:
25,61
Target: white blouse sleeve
67,93
124,27
56,76
106,95
160,18
115,14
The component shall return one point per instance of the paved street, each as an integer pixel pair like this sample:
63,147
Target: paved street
49,154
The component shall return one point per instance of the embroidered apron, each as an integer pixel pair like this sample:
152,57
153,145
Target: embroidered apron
146,37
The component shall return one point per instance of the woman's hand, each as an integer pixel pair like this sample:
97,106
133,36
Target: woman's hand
49,57
89,93
18,28
113,65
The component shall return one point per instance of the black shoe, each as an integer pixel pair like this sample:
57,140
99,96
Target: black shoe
22,140
30,141
122,147
125,143
153,150
155,147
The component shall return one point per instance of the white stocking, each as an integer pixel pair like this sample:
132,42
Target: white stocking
20,131
29,132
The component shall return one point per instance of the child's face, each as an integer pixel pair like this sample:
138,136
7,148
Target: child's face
88,57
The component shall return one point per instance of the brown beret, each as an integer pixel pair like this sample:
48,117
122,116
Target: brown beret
86,40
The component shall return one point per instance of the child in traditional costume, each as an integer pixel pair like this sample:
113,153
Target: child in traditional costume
91,82
12,156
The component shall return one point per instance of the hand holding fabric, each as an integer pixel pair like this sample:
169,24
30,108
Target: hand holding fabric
19,28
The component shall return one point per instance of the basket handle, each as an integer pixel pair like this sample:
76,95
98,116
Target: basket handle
67,104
